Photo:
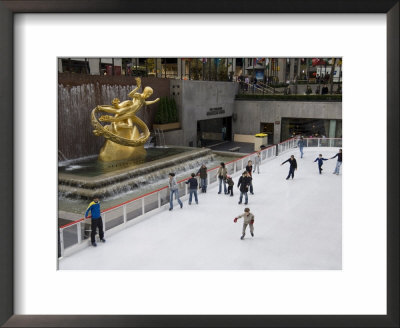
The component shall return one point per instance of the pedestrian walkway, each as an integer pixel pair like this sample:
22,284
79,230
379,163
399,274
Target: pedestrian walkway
244,147
298,226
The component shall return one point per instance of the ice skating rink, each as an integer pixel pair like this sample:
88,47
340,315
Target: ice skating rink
298,226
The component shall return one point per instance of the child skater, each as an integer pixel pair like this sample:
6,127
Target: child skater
230,183
248,220
320,162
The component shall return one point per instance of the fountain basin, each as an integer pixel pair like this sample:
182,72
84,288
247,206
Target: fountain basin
123,176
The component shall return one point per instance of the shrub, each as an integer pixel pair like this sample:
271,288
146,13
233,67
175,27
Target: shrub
167,111
289,97
174,110
279,85
158,118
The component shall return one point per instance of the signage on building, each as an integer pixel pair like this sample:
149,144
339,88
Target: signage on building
277,122
215,111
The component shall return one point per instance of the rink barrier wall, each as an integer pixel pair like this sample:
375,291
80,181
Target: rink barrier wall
75,235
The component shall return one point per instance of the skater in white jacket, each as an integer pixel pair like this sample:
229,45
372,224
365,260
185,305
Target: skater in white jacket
248,221
257,162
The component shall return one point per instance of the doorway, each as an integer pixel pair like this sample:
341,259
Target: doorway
268,128
213,131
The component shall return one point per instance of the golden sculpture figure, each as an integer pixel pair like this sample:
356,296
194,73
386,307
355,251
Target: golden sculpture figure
123,139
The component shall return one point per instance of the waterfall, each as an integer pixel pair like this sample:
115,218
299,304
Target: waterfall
75,103
133,180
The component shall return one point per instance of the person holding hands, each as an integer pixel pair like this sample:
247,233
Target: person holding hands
320,160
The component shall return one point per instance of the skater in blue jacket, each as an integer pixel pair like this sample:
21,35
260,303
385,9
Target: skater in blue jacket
300,144
320,160
97,222
173,189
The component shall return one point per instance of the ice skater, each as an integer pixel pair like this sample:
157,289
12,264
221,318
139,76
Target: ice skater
300,144
339,161
257,162
248,221
243,185
173,189
293,166
202,172
320,160
192,188
97,222
230,183
249,169
221,174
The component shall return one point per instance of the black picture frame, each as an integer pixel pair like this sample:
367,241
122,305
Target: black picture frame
7,197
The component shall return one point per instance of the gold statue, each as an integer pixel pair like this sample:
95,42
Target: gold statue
123,139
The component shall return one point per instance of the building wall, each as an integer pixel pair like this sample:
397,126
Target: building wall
249,114
196,98
173,137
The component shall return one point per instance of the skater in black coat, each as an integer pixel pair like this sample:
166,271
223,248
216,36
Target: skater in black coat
293,166
192,182
243,185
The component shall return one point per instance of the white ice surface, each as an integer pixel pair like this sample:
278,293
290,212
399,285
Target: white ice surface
298,226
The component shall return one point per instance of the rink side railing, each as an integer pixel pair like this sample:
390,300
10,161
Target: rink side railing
76,235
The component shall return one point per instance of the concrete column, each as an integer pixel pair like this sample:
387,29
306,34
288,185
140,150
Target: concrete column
159,67
291,72
94,66
60,69
183,68
118,62
332,128
298,67
282,69
179,62
306,70
245,65
277,133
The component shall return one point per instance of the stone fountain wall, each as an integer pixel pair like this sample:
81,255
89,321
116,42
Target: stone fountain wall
79,94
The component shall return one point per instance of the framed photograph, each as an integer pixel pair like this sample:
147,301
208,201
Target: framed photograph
362,293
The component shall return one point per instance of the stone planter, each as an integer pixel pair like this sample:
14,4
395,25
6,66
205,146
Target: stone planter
168,126
258,141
